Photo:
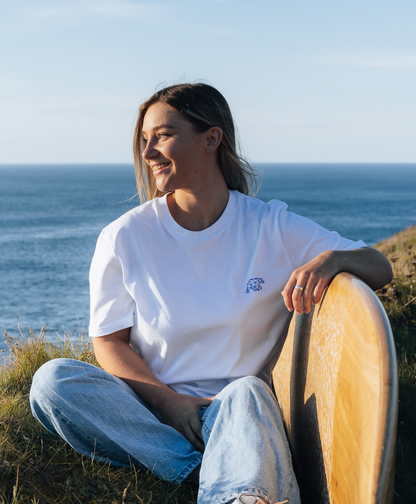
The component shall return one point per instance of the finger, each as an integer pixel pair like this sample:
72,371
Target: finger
187,432
194,434
204,402
287,292
287,300
319,290
297,301
197,443
297,294
308,292
194,440
196,426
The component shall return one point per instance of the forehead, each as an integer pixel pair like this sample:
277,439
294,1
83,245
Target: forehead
160,115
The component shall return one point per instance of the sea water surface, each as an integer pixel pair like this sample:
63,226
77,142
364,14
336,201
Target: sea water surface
51,216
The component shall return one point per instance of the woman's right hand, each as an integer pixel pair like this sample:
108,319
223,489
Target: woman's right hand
180,411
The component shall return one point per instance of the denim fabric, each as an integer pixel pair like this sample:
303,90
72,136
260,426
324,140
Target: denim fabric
100,416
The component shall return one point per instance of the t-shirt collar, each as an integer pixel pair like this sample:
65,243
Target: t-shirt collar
172,226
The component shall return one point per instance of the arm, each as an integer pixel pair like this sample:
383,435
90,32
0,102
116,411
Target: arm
180,411
368,264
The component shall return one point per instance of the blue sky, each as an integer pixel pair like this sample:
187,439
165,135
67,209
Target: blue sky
307,80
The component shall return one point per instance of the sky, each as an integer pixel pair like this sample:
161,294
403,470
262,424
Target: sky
307,80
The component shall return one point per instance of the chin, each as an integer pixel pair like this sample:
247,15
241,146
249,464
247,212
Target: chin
164,188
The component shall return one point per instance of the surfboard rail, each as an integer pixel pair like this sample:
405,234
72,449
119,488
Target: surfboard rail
336,382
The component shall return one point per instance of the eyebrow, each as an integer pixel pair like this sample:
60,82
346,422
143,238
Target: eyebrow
162,126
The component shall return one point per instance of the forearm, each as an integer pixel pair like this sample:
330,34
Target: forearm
180,411
117,357
368,264
307,283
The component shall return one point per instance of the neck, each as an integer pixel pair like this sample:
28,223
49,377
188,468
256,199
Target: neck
197,211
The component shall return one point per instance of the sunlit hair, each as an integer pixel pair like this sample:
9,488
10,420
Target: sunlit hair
204,107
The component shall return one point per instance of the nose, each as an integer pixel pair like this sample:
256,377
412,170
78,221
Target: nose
149,151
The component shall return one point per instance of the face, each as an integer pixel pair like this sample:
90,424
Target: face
174,151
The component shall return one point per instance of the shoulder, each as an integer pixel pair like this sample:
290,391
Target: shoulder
139,220
256,207
145,211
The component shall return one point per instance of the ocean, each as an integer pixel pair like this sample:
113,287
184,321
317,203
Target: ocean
51,215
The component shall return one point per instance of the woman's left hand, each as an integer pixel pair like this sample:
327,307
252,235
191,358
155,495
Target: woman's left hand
313,277
366,263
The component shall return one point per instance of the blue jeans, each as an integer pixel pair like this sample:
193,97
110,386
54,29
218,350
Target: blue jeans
100,416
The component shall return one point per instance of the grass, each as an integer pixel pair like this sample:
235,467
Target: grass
399,300
38,468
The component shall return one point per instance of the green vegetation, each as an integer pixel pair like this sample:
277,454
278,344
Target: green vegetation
38,468
399,300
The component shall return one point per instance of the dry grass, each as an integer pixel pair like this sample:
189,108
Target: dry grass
38,468
399,300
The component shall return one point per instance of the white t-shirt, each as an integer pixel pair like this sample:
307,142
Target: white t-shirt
204,306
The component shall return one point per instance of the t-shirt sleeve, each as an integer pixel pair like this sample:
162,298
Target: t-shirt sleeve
304,239
111,306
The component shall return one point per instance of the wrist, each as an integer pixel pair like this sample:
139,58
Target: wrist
161,396
338,261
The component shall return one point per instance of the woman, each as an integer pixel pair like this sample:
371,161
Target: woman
191,295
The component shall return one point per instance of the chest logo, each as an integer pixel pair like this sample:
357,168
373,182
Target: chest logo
254,284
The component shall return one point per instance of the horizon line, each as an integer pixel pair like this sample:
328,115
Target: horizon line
254,163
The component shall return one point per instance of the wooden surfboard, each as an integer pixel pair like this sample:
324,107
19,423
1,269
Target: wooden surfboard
336,383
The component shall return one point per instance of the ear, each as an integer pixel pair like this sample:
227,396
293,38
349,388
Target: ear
214,137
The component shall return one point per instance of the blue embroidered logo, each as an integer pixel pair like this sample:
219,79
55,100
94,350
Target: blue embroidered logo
254,284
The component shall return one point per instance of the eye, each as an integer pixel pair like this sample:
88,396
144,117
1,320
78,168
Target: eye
162,135
144,140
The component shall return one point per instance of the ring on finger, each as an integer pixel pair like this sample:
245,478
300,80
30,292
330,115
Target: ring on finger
299,287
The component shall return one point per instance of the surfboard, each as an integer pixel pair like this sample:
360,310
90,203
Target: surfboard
336,382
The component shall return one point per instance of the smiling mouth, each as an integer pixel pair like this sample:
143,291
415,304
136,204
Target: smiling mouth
159,167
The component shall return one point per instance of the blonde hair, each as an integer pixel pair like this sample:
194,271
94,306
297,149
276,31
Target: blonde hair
204,107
